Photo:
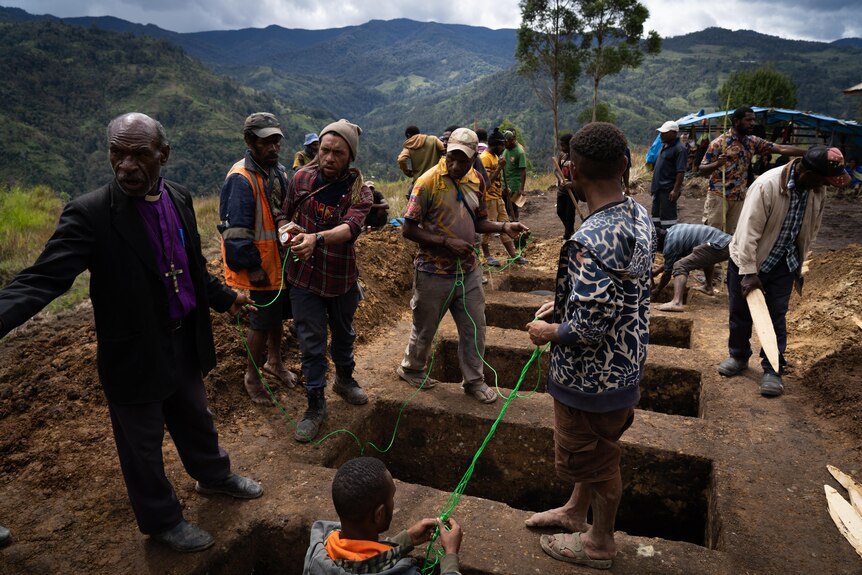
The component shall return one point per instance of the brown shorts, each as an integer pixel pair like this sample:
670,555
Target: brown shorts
587,444
496,213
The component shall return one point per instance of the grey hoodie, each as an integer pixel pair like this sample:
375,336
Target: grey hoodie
392,562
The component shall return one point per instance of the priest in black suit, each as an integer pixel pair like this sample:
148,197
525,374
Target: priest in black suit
151,295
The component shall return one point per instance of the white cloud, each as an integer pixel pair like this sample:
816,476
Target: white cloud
824,20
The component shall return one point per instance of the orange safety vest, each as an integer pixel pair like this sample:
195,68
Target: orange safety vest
265,238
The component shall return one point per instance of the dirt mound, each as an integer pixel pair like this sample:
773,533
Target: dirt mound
825,328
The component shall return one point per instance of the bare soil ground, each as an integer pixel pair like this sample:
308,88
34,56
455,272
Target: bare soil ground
62,493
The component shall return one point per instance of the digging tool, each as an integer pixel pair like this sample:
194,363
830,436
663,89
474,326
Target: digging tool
763,326
854,489
849,524
559,173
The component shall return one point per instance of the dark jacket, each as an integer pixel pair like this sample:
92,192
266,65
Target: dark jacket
103,232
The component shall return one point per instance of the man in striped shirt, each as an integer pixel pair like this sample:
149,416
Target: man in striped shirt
687,247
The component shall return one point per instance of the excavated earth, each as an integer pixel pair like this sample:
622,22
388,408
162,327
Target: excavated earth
717,479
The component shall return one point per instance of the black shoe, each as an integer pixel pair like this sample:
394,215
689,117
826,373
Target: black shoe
349,389
186,538
309,425
5,536
771,386
233,485
732,366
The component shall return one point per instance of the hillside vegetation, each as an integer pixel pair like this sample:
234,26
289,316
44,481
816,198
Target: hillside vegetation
62,84
383,75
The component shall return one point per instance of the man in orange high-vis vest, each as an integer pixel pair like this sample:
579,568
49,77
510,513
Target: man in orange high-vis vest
250,213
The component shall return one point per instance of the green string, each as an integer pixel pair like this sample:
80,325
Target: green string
362,446
431,550
436,551
509,260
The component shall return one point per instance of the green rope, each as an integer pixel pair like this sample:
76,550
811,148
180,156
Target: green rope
509,260
455,497
362,446
436,551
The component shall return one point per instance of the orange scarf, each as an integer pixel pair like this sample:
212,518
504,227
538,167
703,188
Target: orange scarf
352,549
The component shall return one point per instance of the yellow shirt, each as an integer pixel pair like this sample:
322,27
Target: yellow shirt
495,190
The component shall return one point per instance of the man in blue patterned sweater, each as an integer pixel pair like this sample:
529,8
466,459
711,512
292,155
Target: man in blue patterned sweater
598,326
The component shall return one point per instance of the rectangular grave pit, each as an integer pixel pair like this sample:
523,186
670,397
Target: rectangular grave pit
516,310
518,281
265,550
664,389
665,494
670,331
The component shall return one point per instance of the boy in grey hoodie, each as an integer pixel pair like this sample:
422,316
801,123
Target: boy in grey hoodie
364,496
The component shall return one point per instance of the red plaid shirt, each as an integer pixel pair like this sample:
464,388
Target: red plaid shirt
332,270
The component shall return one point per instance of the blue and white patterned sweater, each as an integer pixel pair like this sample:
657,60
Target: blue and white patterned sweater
602,305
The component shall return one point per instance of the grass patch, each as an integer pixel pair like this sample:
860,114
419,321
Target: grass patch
28,217
206,211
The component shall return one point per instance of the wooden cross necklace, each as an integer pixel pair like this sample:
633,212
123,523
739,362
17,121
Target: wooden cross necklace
173,272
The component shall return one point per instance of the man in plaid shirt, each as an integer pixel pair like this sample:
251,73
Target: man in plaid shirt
329,200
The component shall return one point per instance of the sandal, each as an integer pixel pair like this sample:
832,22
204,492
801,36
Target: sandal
553,545
417,379
284,375
481,392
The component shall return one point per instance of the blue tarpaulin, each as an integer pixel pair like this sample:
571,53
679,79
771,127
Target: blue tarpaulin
824,124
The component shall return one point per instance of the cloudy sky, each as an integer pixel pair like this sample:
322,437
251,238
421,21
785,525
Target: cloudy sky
824,20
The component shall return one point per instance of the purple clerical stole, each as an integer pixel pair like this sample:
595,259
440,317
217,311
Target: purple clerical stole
168,241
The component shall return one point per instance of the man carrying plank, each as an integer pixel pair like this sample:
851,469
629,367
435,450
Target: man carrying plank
779,221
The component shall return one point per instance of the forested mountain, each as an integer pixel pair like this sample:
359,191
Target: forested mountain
383,75
62,84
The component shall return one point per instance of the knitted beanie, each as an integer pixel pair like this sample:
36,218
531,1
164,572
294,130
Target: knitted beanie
350,133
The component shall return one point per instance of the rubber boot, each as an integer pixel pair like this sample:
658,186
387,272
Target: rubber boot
348,388
309,426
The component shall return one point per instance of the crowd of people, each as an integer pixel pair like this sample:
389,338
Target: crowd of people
763,227
289,252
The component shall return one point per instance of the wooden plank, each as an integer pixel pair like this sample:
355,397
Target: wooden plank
849,524
853,487
763,326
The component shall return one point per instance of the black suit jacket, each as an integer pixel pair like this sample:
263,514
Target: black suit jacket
102,231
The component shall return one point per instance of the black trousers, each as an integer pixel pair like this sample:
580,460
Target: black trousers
566,212
139,431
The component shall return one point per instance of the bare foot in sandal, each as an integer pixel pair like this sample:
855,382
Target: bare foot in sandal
570,547
480,392
556,518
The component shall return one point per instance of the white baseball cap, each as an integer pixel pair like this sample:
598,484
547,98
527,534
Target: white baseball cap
668,126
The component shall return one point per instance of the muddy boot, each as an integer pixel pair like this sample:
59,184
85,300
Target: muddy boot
348,388
309,425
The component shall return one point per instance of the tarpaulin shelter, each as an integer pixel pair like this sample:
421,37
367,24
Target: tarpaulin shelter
786,127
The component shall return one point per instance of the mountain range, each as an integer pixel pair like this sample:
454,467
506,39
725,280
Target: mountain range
383,75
